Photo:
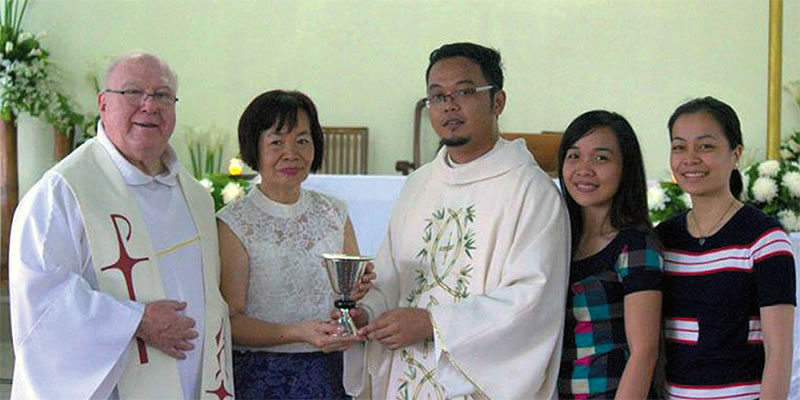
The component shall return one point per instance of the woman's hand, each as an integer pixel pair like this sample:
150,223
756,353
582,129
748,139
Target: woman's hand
365,283
325,336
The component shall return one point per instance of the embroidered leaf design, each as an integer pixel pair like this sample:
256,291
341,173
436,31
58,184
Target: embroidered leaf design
470,215
469,243
453,213
403,390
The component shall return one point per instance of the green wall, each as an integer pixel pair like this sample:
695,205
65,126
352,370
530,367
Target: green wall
363,62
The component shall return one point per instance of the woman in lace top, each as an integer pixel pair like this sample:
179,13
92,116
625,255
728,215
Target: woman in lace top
270,245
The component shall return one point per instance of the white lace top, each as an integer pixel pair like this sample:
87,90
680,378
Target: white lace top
287,282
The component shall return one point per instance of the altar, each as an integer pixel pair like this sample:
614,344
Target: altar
369,199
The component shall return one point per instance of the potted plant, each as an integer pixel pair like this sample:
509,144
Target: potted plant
23,88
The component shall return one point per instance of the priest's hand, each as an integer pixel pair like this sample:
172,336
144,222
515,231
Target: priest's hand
364,284
400,327
164,328
325,336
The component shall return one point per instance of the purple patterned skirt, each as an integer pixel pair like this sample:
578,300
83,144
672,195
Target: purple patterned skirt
268,375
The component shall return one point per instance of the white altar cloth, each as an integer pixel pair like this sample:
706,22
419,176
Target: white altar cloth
369,201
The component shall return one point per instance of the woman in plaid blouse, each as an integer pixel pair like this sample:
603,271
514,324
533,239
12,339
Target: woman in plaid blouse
614,299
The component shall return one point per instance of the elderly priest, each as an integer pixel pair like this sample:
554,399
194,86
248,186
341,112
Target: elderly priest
114,263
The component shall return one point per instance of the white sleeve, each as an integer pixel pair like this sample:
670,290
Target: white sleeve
70,339
455,384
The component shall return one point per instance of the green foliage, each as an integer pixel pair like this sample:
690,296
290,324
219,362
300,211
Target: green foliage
205,150
666,200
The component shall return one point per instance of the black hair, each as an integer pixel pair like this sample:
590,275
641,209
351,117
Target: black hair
486,58
277,106
629,206
726,117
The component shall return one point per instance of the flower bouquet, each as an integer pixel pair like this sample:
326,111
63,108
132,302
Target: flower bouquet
25,86
774,187
225,188
790,148
205,149
665,200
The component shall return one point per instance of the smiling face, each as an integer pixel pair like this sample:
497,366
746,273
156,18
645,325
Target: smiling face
701,157
139,131
466,125
592,169
285,158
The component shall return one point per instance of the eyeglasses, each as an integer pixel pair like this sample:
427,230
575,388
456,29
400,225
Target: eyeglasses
135,96
438,100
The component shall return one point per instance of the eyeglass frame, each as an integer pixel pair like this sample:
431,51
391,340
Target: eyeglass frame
144,94
453,96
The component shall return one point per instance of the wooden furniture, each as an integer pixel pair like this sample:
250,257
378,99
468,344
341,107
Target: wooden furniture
543,146
345,151
404,166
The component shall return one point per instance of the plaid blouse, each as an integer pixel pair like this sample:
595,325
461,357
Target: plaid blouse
595,348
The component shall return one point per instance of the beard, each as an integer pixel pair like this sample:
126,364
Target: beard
454,142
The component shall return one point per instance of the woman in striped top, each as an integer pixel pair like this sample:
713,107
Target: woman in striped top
729,284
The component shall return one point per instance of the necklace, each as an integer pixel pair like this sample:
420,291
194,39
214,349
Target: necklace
702,239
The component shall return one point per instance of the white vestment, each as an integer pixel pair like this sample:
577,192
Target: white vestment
485,249
72,339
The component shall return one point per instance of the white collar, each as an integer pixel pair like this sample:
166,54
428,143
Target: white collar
133,175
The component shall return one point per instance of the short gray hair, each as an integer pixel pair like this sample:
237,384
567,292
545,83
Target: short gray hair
171,75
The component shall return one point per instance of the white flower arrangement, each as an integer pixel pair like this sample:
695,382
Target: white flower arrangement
768,168
764,189
774,187
25,86
665,200
231,192
656,198
226,188
207,184
25,82
790,148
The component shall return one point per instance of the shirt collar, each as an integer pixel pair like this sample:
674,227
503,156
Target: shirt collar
134,176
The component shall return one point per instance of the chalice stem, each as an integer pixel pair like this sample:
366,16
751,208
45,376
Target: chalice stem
347,322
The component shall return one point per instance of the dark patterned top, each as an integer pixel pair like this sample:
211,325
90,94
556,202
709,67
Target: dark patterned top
595,348
712,298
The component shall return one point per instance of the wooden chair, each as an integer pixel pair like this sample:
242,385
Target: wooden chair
543,146
345,151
